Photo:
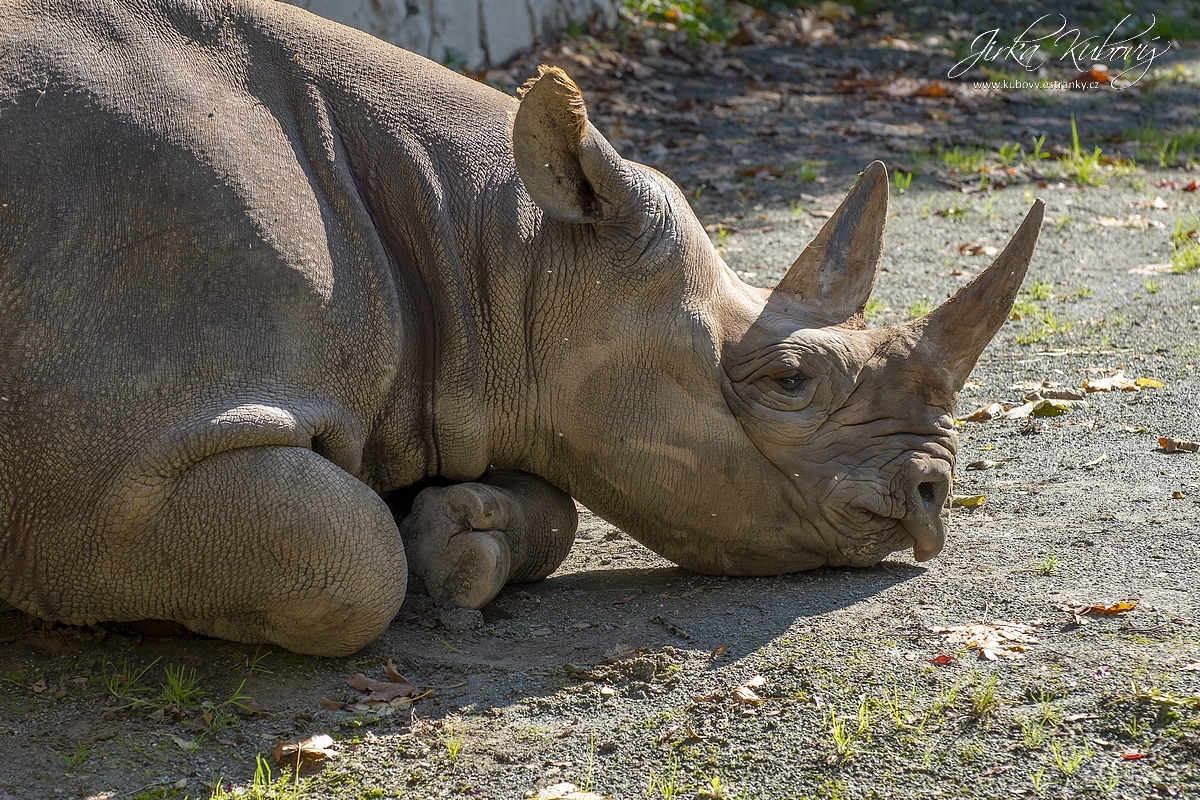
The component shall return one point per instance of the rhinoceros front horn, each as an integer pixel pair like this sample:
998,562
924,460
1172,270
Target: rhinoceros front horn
953,335
836,272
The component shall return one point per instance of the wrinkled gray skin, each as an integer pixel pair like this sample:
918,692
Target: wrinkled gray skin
257,270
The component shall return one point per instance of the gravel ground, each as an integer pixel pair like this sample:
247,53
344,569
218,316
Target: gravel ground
628,677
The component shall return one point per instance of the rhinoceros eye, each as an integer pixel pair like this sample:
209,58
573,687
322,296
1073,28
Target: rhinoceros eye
792,384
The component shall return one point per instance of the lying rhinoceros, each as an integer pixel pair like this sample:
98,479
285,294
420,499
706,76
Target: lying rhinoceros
259,272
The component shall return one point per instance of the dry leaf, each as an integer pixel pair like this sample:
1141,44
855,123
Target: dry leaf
667,734
565,791
1150,269
968,501
384,691
316,749
993,640
1078,610
987,412
943,660
1138,221
1157,202
746,694
1062,393
821,212
1119,381
974,249
389,669
1149,383
1170,445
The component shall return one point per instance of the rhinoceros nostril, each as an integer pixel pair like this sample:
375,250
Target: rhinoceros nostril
928,493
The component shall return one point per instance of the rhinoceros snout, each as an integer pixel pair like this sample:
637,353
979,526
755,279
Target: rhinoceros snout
929,482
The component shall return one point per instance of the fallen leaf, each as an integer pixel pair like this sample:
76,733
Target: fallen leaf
39,686
691,736
720,651
1192,186
314,750
1169,445
1061,393
186,745
1157,202
1132,755
1176,495
565,791
708,698
974,249
1019,412
1119,381
746,694
943,660
968,501
1077,610
1055,408
821,212
389,669
1150,269
384,691
1149,383
334,705
987,412
993,640
1138,221
667,734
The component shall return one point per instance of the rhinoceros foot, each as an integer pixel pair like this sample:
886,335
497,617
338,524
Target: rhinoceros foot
465,542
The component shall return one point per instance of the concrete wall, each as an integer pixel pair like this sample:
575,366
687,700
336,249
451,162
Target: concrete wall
486,32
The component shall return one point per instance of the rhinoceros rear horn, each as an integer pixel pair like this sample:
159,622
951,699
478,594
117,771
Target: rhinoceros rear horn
569,169
953,335
836,272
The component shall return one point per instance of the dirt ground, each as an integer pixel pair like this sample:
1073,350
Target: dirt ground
625,676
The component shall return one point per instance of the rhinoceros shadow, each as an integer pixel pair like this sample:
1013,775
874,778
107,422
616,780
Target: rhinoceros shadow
535,635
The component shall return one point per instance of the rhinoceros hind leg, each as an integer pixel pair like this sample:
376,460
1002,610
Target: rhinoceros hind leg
466,541
278,545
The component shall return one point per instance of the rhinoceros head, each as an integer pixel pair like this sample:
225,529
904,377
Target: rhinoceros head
731,429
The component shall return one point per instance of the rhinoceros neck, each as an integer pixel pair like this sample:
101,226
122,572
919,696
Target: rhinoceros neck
461,237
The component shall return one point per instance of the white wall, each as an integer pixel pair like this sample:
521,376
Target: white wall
486,32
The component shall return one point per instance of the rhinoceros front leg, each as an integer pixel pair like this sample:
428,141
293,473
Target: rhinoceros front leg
466,541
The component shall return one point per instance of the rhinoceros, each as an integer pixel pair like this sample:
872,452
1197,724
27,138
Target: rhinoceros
287,312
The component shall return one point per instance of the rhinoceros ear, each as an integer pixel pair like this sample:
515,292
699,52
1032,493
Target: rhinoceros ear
569,169
953,335
836,272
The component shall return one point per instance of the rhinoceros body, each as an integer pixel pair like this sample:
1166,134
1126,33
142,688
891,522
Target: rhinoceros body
258,271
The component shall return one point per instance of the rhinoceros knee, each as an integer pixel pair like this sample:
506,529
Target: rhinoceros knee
318,569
